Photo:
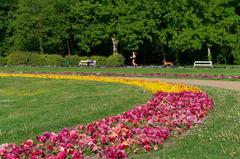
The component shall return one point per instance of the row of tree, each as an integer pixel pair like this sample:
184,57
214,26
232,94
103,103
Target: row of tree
176,30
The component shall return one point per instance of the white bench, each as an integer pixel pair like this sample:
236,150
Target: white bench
202,64
87,63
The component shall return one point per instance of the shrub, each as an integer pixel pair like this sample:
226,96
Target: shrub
3,61
84,57
18,58
115,60
71,60
236,56
26,58
36,59
101,60
54,60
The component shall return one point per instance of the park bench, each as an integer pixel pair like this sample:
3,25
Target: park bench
87,63
202,64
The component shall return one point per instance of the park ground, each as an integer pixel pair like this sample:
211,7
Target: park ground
218,137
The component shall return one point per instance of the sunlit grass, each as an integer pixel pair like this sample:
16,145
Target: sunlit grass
30,106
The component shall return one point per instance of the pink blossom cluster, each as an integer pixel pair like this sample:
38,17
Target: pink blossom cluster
143,127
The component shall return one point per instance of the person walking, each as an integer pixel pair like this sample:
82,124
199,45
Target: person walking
133,57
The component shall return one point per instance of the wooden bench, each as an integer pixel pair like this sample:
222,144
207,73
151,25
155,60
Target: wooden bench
87,63
203,64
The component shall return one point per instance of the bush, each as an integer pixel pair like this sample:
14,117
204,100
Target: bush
18,58
115,60
54,60
101,60
36,59
71,60
236,56
84,58
3,61
26,58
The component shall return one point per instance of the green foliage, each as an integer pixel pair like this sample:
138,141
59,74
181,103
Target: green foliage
7,7
177,27
71,60
37,59
46,27
18,58
237,58
101,60
115,60
84,57
54,60
25,58
3,61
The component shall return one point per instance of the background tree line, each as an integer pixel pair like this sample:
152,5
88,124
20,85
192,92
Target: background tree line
176,30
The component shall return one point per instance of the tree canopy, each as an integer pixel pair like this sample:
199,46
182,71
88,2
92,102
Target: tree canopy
176,30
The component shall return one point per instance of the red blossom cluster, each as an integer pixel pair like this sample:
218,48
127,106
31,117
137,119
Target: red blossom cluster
143,127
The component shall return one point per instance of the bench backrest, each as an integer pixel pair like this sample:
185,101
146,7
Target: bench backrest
203,63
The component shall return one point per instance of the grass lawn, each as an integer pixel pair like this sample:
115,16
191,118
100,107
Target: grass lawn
217,138
209,71
30,106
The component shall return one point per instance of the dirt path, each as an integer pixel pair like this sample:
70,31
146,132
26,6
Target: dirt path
233,85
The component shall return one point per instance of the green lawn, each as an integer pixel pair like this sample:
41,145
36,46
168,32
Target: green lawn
30,106
209,71
217,138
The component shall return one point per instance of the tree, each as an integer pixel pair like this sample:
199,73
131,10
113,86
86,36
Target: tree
7,8
29,25
193,25
42,25
120,21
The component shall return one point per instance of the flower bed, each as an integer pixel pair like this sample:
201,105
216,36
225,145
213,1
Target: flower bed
112,74
204,76
172,110
152,86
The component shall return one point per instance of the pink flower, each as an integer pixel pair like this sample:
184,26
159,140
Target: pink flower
147,147
142,126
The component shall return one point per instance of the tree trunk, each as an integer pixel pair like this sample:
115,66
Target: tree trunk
209,54
164,55
40,44
68,47
115,43
40,41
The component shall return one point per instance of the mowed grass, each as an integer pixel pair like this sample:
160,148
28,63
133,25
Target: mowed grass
217,138
29,107
209,71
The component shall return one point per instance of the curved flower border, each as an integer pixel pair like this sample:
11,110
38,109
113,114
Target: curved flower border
173,109
113,74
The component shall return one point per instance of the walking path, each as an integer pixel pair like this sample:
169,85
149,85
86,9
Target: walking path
233,85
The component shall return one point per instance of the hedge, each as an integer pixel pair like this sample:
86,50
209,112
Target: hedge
37,59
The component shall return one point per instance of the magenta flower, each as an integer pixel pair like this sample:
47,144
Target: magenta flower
142,127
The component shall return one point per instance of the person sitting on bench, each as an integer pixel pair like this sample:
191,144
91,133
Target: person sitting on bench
89,61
